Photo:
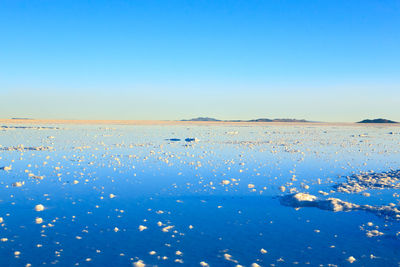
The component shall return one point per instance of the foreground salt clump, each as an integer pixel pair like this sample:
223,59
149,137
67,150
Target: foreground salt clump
334,204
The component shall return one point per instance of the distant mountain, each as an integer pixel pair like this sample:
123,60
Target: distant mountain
377,121
256,120
202,119
261,120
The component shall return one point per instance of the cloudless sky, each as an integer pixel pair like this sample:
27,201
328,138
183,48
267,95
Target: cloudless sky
318,60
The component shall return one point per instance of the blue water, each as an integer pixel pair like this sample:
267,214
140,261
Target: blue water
179,184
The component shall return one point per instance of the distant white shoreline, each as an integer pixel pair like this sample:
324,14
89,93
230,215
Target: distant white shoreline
171,122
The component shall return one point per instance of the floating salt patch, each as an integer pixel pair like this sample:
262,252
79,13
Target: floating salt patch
250,186
228,257
22,148
225,182
306,186
204,264
6,168
351,259
139,263
373,233
370,180
39,220
263,251
112,196
116,229
334,204
167,228
39,207
18,184
31,175
323,193
142,227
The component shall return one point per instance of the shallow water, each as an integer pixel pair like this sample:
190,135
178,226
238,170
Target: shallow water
159,183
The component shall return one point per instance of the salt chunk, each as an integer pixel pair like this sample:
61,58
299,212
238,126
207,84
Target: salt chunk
351,259
142,227
39,207
139,263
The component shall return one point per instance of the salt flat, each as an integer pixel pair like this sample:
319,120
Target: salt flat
135,193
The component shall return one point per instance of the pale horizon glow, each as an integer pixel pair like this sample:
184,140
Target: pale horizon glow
170,60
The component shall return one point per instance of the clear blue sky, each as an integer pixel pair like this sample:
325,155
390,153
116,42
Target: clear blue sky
318,60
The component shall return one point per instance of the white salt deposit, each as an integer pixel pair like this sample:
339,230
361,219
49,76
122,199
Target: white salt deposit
39,207
351,259
142,227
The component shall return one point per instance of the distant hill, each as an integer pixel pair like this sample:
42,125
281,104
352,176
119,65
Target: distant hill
261,120
256,120
377,121
202,119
